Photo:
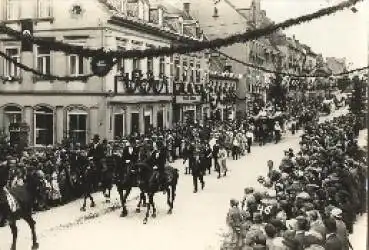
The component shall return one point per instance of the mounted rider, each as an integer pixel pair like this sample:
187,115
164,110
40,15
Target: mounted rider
159,158
130,153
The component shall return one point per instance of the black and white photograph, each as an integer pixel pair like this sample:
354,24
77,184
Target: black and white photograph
184,124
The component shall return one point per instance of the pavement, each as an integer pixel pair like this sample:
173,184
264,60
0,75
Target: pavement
197,222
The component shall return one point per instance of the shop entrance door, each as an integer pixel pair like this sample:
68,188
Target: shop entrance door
159,119
135,122
147,123
118,125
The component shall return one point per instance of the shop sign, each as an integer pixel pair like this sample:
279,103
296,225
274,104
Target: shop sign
188,99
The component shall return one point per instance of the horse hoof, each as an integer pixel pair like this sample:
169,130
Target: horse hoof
124,214
145,221
170,212
93,205
107,201
83,209
138,210
153,215
35,246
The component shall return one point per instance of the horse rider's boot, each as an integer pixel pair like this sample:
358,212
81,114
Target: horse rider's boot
93,204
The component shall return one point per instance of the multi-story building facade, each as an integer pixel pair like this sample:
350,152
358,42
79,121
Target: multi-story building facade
110,106
218,20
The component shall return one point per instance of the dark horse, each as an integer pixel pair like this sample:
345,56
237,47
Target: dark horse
17,203
126,177
149,184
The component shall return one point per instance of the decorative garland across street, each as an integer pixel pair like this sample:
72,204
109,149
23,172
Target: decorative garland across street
192,46
108,57
288,74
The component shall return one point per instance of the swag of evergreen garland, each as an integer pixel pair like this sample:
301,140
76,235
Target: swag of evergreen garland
191,46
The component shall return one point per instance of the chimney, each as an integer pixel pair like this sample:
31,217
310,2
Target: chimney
186,8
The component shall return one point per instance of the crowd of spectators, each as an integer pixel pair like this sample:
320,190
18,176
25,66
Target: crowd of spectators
312,200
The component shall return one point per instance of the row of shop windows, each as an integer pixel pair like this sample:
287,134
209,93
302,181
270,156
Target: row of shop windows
43,120
77,128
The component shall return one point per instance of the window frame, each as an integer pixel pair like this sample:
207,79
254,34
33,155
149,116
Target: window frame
17,7
41,9
78,112
35,113
44,56
7,64
162,64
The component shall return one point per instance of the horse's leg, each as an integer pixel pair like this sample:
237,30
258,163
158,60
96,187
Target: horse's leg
151,197
14,229
169,202
147,211
83,208
91,200
173,197
32,224
142,199
124,200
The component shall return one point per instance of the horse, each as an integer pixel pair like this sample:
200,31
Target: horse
125,180
149,184
17,203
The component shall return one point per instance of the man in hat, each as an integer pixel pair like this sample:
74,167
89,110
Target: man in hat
342,233
130,153
197,171
97,153
159,158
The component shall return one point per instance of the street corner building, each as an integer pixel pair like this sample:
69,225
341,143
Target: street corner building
137,95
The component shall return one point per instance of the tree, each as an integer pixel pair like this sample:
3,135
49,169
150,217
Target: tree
357,102
277,92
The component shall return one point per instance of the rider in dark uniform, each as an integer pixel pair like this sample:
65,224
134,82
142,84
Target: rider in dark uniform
159,160
130,153
97,151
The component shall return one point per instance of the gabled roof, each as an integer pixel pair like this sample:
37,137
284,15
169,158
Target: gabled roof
228,21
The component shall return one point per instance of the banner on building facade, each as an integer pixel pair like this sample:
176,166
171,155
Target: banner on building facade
188,99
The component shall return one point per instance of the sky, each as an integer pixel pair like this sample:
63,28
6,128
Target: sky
344,34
